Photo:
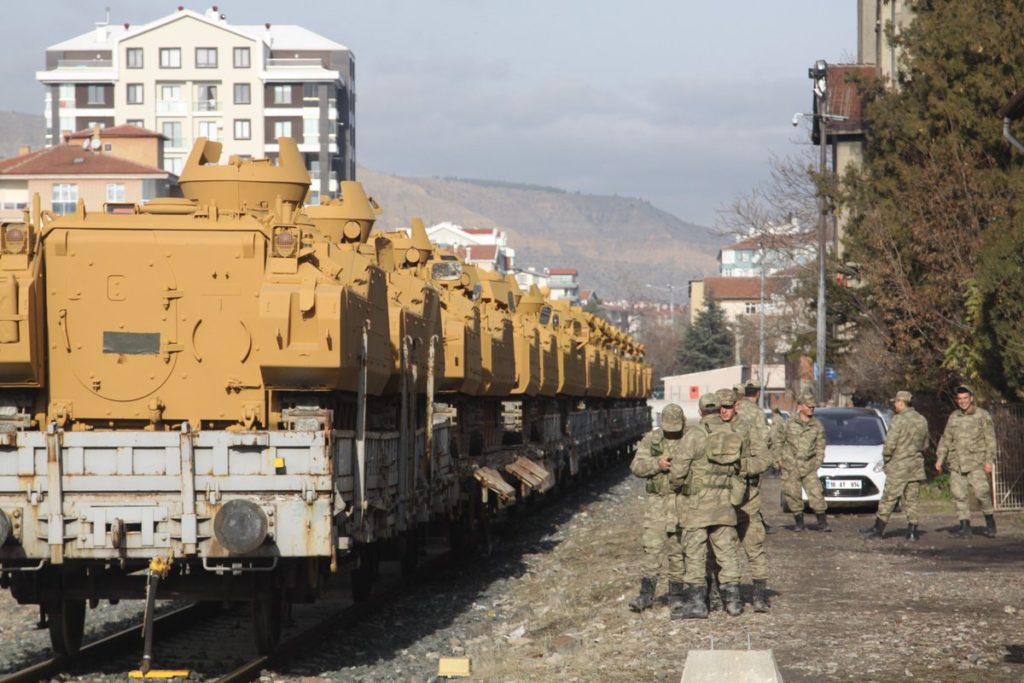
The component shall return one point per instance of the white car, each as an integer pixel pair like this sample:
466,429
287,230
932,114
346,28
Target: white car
851,474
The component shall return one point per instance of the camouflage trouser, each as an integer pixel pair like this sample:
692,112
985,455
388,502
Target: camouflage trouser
978,481
895,490
792,483
723,543
750,529
659,540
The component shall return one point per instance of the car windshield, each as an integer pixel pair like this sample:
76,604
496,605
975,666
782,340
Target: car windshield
853,430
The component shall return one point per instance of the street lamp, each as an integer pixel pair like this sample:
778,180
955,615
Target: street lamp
671,301
819,74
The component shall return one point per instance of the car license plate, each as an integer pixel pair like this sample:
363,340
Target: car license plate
842,483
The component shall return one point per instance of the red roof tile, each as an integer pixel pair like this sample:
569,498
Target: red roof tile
123,131
64,160
741,288
562,271
478,231
770,241
481,252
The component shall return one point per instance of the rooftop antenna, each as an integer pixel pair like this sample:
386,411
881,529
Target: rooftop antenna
107,20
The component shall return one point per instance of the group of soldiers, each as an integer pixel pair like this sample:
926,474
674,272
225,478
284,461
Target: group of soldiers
703,487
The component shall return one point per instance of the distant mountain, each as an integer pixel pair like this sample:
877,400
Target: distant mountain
619,244
17,129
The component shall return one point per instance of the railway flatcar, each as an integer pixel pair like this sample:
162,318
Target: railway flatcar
231,395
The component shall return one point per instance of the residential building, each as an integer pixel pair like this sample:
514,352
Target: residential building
737,296
564,284
64,174
484,247
774,252
189,75
529,277
126,142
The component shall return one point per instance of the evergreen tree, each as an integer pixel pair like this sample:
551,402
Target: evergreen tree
708,342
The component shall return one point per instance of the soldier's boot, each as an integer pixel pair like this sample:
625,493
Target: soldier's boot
912,533
876,531
676,598
823,522
798,521
964,531
760,600
733,601
714,594
696,604
990,526
645,599
768,529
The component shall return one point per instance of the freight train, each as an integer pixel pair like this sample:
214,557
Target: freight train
230,395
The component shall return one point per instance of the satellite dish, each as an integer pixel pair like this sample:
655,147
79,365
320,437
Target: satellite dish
85,143
95,144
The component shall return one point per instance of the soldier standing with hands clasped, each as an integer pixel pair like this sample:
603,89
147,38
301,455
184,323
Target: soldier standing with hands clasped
903,455
803,451
661,526
969,447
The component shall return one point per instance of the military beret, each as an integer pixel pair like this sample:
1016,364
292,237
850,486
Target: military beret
904,396
726,397
808,400
707,402
672,418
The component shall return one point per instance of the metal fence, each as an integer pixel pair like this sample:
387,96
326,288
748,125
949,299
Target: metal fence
1008,474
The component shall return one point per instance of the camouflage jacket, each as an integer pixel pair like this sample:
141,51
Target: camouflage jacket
803,446
904,445
652,448
757,458
969,441
708,490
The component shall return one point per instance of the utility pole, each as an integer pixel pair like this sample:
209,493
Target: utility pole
760,344
818,73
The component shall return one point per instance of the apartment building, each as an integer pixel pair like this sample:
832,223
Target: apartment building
189,75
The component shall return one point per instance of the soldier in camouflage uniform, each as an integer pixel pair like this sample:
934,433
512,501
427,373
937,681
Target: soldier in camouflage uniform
661,529
903,455
803,451
749,522
969,446
707,474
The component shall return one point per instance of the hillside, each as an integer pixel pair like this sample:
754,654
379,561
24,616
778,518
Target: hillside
619,244
17,129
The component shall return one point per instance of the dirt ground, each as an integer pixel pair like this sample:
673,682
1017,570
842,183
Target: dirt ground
843,609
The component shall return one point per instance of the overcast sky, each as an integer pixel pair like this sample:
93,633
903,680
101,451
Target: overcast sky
680,102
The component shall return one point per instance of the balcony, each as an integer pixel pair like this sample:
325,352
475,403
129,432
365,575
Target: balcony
206,106
294,63
84,63
172,107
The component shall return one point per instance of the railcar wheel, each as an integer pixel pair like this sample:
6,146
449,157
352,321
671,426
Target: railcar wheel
267,620
410,552
66,619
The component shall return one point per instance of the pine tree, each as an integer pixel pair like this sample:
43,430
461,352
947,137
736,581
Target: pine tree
708,342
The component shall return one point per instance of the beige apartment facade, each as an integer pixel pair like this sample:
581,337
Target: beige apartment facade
190,75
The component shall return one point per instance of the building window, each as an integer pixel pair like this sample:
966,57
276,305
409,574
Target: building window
133,58
208,130
67,123
170,58
115,192
282,94
243,93
173,165
310,131
750,308
138,123
65,197
172,131
206,98
282,129
96,94
311,91
206,58
134,93
241,55
243,129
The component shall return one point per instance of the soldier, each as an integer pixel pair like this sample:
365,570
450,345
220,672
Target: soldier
750,524
706,471
969,446
661,527
803,451
903,454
